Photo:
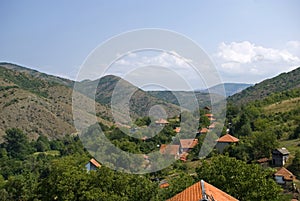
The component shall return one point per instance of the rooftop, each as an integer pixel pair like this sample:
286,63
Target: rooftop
195,193
203,130
95,163
282,150
177,129
227,138
287,175
161,121
188,143
169,149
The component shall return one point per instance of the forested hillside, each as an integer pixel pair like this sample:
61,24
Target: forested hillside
282,82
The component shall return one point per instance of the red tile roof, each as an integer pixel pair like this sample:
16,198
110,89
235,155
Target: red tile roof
164,184
213,125
177,129
183,156
194,193
203,130
95,163
209,115
169,149
188,143
228,138
287,175
263,160
144,138
161,121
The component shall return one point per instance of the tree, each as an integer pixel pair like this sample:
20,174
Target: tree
241,180
295,167
16,143
263,143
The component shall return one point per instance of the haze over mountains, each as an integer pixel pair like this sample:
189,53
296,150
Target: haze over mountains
42,104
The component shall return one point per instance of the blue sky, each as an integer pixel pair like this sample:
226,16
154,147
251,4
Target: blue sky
248,40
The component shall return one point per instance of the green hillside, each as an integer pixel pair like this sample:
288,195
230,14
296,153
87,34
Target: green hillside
282,82
36,105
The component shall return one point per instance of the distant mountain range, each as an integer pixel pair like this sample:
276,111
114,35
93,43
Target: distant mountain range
230,88
39,103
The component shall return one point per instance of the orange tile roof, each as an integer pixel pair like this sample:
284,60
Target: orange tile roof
263,160
95,163
194,193
211,119
204,130
287,175
169,149
209,115
161,121
177,129
164,184
144,138
184,156
188,143
228,138
213,125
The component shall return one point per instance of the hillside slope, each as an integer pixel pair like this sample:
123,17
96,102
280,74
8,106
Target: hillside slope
36,105
140,101
282,82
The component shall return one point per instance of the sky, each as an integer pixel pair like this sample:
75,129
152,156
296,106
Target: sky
248,41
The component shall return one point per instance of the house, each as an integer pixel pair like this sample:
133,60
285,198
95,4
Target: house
172,150
177,129
210,117
224,141
187,144
283,176
280,156
164,184
202,191
161,122
183,156
203,130
264,162
92,165
212,126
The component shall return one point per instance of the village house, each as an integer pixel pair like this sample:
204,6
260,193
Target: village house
283,176
264,162
280,156
177,129
172,150
210,117
202,191
187,144
92,165
163,184
224,141
203,130
161,122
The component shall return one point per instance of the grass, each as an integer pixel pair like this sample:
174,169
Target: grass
51,153
283,106
291,145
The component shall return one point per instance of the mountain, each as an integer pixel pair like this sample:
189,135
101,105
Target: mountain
37,103
37,74
230,88
140,101
282,82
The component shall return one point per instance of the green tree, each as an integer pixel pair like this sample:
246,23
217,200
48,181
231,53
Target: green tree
16,143
263,143
243,181
295,167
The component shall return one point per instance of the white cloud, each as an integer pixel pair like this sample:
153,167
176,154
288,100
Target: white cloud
248,62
